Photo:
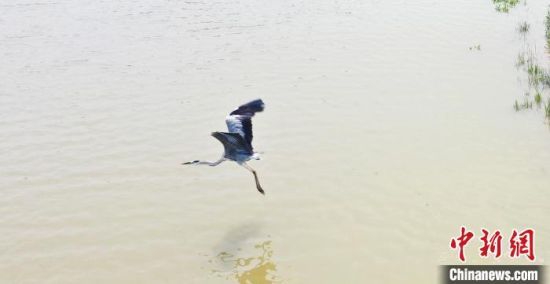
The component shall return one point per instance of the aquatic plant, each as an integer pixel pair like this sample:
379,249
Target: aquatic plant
520,61
475,47
535,75
538,98
504,6
546,79
547,23
523,28
538,77
527,63
526,104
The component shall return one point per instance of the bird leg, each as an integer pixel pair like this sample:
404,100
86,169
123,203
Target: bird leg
212,164
258,186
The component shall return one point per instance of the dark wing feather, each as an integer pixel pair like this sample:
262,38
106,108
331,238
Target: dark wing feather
240,120
250,108
233,144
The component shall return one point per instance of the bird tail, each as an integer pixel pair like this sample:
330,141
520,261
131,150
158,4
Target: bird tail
249,108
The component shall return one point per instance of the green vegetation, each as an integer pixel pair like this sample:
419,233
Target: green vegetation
520,61
475,47
547,23
523,28
504,6
525,105
538,98
537,76
538,81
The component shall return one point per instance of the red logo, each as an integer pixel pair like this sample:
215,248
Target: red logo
521,243
492,244
463,239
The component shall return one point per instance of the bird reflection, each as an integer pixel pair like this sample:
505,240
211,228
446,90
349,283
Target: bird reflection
258,268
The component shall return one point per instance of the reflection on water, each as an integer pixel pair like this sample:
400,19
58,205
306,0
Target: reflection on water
257,268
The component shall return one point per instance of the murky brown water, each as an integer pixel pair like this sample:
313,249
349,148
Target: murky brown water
383,134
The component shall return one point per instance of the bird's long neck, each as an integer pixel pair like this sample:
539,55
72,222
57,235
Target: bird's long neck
198,162
207,163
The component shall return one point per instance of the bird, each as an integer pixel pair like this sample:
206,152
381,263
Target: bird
237,142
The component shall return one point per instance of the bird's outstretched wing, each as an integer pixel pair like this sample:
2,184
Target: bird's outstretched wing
233,144
240,120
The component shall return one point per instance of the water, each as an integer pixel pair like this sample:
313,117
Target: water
383,134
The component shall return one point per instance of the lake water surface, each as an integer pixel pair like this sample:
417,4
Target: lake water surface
383,133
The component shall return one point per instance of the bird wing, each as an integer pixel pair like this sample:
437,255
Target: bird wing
240,120
233,143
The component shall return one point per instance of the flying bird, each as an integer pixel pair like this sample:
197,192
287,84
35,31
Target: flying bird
237,142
